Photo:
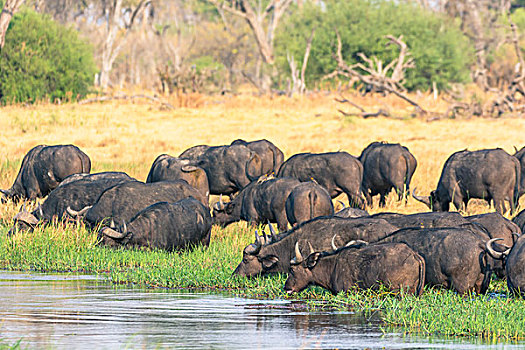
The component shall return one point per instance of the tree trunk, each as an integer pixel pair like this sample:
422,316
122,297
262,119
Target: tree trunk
10,7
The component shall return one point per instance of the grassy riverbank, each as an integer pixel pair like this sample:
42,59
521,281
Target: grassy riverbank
437,312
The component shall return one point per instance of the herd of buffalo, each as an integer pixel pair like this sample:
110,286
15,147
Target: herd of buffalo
315,245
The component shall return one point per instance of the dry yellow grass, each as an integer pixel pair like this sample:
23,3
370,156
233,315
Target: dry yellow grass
128,136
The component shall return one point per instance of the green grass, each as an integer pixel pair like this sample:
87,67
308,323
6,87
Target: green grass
437,312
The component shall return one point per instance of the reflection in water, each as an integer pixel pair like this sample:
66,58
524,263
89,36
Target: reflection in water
84,312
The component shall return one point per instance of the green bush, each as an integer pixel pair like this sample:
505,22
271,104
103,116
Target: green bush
442,54
43,59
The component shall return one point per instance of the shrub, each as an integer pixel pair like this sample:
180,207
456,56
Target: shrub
43,59
442,54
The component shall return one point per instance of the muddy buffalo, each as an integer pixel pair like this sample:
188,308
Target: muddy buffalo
386,166
490,174
271,156
393,265
338,172
168,226
166,167
307,201
42,170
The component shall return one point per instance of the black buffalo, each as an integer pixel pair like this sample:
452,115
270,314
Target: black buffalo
520,155
455,258
259,202
69,198
43,168
393,265
514,259
308,200
490,174
168,226
271,156
195,152
338,172
520,220
423,220
386,166
349,212
325,233
166,167
122,202
229,168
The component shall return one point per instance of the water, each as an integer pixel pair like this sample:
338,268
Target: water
84,312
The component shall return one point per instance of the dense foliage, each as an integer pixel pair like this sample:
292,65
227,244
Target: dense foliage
442,54
43,59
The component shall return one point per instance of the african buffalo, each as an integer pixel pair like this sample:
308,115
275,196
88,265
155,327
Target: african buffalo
166,167
520,155
122,202
386,166
194,153
273,255
423,220
349,212
393,265
455,258
271,156
43,168
163,225
259,202
338,172
307,201
229,168
520,220
70,197
514,260
486,174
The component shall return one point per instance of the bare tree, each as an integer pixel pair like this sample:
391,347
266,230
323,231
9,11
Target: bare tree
118,20
10,7
263,28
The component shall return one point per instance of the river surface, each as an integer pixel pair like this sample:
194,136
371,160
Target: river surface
57,311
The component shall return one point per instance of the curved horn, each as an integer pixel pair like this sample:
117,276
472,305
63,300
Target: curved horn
221,203
311,248
334,247
344,205
357,241
112,233
492,252
40,211
422,199
112,224
273,234
4,192
125,228
515,236
71,212
298,256
75,213
515,149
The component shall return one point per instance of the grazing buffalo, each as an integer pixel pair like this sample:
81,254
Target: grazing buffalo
229,168
520,155
194,153
455,258
259,202
271,156
43,168
514,258
273,255
386,166
122,202
338,172
393,265
307,201
497,226
166,167
426,220
69,198
168,226
490,174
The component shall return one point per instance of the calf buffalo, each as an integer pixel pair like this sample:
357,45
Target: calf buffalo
393,265
122,202
386,167
166,167
271,156
486,174
259,202
455,258
43,168
325,233
307,201
168,226
338,172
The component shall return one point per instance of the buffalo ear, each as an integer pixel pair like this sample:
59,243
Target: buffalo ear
269,261
312,260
